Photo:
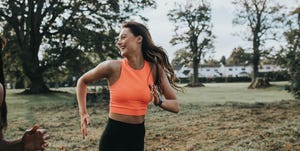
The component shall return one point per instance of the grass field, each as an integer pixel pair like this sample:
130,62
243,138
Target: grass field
216,117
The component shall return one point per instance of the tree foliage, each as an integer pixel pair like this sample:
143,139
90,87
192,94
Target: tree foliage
262,18
66,32
193,29
223,60
239,56
291,57
211,62
182,58
12,65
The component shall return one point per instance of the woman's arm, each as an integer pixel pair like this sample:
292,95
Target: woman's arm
169,102
103,70
81,99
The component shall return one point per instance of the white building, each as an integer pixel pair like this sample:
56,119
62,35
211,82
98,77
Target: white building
224,71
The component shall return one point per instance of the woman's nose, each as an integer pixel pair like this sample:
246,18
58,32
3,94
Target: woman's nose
119,42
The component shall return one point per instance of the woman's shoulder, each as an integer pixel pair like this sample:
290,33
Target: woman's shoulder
155,66
113,69
112,65
114,61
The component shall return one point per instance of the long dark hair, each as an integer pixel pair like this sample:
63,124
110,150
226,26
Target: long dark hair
152,53
3,108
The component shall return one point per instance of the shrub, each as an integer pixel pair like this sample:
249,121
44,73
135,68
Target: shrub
293,65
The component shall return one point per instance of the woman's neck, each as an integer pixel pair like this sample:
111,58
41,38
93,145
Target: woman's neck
136,62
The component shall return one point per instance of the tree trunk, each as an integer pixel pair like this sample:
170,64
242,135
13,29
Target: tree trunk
259,83
256,56
33,71
255,73
195,81
37,85
195,69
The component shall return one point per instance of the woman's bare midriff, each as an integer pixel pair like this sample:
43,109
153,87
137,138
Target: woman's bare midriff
127,118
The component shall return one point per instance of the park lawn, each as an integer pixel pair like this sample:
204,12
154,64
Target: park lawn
220,116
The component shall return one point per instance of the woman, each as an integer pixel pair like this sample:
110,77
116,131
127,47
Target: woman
33,139
133,81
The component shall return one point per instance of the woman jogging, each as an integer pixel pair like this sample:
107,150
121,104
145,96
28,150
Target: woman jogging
139,78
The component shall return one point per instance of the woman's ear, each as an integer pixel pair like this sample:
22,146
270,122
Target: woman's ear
139,39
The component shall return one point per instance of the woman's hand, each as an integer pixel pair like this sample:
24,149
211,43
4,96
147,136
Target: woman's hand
34,139
169,103
84,121
155,94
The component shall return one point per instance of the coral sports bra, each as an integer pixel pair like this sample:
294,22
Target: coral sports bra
130,94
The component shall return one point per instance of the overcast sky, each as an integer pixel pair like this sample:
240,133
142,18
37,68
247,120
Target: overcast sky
222,14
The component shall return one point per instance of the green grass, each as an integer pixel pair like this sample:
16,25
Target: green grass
216,117
234,92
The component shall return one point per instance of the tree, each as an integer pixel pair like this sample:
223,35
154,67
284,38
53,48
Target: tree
182,58
292,52
223,60
262,17
239,57
72,27
193,28
13,70
211,62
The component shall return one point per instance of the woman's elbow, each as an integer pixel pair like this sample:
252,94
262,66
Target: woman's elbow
176,108
81,82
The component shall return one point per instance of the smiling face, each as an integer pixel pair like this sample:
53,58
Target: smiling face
128,43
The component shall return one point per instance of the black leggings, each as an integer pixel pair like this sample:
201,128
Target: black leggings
119,136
